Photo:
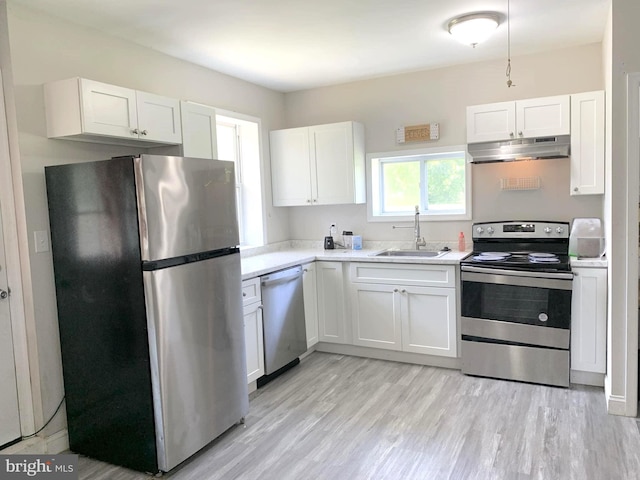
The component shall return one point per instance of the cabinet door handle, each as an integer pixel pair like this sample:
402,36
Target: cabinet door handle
135,131
143,132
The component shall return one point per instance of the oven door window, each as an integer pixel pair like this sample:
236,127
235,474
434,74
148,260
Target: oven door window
517,304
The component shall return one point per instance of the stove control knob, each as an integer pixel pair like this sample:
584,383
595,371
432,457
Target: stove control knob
559,230
479,230
547,229
490,230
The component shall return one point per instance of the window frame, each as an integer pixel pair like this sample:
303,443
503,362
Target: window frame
251,191
375,184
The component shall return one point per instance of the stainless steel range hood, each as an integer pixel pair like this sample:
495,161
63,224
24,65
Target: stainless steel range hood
521,149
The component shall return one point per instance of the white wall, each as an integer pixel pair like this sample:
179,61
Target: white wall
44,49
621,205
442,96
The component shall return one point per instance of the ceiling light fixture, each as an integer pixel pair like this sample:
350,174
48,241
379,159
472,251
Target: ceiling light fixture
474,28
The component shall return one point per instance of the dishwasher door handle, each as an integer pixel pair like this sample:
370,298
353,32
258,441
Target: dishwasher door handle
267,281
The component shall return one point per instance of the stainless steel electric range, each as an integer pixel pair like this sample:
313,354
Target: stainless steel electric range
516,302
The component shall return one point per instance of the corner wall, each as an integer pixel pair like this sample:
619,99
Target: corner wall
622,209
44,48
442,96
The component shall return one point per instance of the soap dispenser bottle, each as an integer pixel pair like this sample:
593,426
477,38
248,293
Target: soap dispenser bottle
461,243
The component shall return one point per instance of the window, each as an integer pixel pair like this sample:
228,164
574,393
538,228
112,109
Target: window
239,141
437,180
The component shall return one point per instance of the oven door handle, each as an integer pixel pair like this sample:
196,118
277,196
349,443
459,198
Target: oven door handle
556,281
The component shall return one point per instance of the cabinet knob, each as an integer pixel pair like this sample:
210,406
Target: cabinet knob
575,189
520,134
135,131
395,290
403,291
308,201
244,294
315,200
511,134
143,132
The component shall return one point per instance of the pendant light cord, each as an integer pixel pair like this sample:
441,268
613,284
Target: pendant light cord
509,82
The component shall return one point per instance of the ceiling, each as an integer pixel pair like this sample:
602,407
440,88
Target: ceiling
290,45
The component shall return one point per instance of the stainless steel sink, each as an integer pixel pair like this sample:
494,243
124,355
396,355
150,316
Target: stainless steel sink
410,253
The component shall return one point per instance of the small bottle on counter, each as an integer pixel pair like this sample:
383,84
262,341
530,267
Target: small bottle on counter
461,243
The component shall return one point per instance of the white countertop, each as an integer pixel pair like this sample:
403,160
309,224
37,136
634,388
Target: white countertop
257,265
600,262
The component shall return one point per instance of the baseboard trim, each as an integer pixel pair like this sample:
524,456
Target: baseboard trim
379,354
586,378
58,442
616,404
53,444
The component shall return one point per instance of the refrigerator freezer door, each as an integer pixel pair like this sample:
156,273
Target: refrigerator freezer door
198,365
185,205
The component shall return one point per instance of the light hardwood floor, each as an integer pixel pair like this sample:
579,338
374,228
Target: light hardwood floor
339,417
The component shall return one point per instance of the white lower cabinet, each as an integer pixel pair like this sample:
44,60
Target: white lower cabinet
309,290
429,320
589,320
253,337
376,316
404,316
331,308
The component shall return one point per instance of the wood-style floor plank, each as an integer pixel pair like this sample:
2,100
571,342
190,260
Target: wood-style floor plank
338,417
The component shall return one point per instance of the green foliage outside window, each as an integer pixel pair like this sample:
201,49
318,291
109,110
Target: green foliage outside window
444,177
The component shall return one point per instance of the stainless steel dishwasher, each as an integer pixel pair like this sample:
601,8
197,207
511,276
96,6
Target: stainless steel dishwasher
283,321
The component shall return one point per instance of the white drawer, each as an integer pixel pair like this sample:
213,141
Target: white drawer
251,291
404,274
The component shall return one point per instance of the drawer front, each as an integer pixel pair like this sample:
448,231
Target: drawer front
404,274
251,291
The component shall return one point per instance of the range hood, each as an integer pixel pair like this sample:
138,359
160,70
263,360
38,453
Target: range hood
521,149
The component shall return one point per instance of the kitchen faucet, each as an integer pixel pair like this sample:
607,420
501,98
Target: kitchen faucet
419,240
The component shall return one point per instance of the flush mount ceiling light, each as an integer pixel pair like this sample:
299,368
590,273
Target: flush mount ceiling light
474,28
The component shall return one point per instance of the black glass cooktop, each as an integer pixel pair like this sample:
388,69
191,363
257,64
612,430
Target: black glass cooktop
539,261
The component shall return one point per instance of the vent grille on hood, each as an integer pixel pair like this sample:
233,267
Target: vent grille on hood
521,149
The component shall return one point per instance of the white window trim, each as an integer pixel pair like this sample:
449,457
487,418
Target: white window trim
426,217
250,118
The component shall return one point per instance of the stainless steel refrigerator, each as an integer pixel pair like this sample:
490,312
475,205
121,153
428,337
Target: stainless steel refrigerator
148,287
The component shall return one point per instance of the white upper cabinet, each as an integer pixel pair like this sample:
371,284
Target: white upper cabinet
198,130
318,165
492,122
536,117
85,110
587,143
290,167
158,118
